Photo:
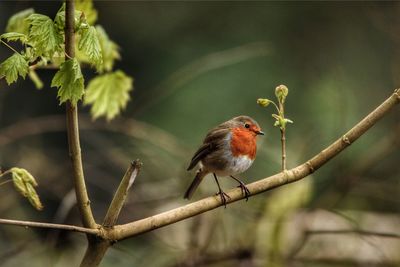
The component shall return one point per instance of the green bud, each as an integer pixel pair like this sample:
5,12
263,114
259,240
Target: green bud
281,92
24,182
263,102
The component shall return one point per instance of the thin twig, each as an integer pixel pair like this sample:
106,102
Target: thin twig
130,127
352,231
5,182
55,226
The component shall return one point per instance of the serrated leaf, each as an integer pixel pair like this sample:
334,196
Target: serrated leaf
109,50
17,22
12,67
69,81
86,6
59,19
90,45
108,94
44,35
14,36
24,182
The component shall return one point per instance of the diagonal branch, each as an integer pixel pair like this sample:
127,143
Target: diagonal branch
108,235
148,224
119,197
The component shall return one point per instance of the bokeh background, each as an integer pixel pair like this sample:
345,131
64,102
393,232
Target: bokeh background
197,64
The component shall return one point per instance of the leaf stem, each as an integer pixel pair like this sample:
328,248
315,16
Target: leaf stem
10,47
4,173
277,109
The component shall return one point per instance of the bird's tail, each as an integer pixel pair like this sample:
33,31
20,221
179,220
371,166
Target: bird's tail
196,181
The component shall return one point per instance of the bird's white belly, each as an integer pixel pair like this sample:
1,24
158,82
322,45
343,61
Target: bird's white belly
236,165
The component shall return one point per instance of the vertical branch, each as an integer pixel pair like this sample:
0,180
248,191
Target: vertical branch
73,128
283,136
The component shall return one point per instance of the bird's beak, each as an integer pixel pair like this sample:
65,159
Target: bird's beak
260,133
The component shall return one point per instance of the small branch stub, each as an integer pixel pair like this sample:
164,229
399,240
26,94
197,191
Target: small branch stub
122,192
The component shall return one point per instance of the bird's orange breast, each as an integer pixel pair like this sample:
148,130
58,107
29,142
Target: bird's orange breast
243,143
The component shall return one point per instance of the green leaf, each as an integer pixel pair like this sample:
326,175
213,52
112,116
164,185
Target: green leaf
86,6
108,94
24,182
17,22
12,67
44,35
109,49
59,19
90,45
14,36
69,80
288,120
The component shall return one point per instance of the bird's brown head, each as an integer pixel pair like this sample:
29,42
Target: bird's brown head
246,125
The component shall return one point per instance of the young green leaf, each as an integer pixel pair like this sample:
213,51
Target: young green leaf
90,45
109,50
17,22
14,36
24,182
59,19
281,93
12,67
108,94
44,35
86,6
69,80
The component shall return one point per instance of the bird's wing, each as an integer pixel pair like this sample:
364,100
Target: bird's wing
203,151
212,142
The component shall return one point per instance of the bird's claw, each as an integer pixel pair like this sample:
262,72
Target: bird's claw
224,196
245,190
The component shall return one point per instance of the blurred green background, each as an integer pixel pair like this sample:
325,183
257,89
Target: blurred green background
197,64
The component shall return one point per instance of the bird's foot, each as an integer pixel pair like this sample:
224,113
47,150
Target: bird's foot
224,197
245,190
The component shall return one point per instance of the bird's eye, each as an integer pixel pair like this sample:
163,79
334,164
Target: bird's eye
247,125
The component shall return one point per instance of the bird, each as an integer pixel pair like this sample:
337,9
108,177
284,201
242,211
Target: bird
227,150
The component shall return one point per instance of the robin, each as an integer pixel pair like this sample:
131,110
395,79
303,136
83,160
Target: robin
228,149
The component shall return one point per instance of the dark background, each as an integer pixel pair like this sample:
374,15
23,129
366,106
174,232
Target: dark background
197,64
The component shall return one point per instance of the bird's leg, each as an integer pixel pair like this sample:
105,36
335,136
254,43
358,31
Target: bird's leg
222,194
243,187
